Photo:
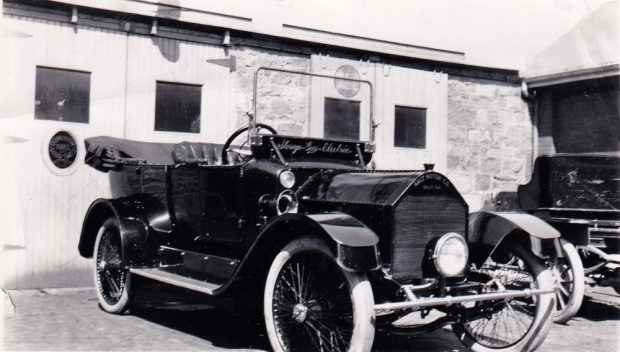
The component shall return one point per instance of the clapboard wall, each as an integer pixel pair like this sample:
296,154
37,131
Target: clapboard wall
44,206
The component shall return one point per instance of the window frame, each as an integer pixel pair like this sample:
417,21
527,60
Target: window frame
37,112
425,109
359,116
200,86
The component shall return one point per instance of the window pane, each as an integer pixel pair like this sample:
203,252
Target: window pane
62,95
177,107
410,127
342,119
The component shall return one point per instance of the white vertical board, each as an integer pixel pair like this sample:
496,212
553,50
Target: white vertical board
43,207
401,86
326,88
152,59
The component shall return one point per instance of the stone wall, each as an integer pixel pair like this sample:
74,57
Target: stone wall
489,139
282,98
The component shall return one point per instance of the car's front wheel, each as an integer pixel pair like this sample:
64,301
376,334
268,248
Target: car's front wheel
311,303
517,324
112,280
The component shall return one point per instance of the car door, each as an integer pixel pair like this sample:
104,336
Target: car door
205,200
221,206
186,185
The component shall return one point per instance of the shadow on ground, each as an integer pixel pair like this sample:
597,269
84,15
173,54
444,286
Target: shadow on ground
222,329
189,313
594,309
240,331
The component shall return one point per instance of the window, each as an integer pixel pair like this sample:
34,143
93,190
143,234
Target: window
177,107
410,127
342,119
61,95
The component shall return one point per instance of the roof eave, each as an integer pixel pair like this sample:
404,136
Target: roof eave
573,76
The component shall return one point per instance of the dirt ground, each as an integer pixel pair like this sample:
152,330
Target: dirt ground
70,320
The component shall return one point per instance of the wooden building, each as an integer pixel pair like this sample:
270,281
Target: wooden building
159,71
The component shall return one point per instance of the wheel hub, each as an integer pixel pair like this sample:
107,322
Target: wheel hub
102,265
300,312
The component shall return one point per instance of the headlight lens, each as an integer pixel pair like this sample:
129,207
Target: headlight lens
287,179
450,255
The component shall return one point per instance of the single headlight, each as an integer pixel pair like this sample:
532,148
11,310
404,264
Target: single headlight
450,255
287,179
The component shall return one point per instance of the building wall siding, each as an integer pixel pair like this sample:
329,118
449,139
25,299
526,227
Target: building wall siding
294,88
489,138
42,207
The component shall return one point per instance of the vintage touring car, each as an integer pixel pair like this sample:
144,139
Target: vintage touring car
332,250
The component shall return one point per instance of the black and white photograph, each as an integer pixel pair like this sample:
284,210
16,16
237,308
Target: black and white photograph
322,176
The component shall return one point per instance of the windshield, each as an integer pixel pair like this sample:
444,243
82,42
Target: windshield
314,105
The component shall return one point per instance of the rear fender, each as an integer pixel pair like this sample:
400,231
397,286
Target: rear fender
133,230
488,229
353,244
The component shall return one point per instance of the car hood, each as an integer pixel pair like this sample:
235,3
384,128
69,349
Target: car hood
371,187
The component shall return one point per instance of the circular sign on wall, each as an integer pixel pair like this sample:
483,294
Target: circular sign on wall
60,152
347,88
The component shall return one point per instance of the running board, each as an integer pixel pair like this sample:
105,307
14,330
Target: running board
176,280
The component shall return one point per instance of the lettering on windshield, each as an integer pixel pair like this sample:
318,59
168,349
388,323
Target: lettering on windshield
311,147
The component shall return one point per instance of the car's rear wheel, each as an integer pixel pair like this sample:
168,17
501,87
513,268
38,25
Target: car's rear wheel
112,280
570,282
518,324
311,303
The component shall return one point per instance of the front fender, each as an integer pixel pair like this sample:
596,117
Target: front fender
488,229
354,245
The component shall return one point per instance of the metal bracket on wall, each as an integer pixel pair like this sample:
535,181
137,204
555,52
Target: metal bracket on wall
230,62
74,14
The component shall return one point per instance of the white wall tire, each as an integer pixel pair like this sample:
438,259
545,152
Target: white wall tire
537,313
570,281
112,280
308,316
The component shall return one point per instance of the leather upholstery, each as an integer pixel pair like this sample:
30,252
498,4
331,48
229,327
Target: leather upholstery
193,152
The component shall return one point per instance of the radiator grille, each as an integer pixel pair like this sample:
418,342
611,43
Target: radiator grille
417,220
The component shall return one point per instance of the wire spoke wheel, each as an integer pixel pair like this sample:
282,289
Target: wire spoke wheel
509,320
570,283
510,324
111,276
112,280
311,308
311,304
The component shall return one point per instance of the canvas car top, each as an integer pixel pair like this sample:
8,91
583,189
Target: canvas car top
106,153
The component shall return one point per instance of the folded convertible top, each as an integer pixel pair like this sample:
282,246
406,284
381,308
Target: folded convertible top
109,153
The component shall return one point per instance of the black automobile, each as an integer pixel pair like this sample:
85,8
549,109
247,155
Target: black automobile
579,195
331,250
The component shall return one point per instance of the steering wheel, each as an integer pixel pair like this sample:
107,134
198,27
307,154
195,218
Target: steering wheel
240,152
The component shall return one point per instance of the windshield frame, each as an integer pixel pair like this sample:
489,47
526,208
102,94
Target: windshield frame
253,131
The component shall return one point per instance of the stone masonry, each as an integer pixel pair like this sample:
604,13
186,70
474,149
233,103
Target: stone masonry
489,139
282,98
